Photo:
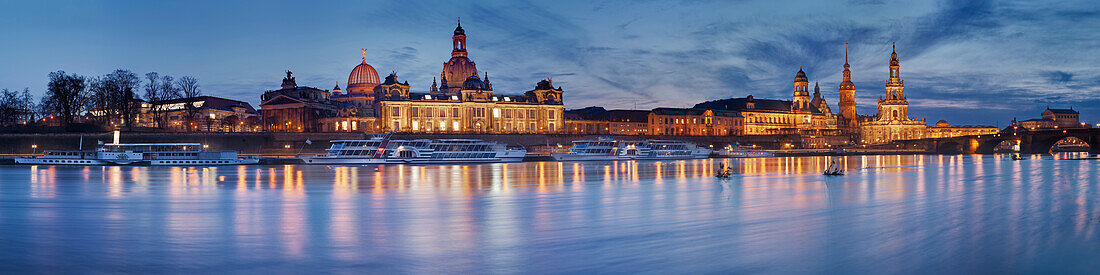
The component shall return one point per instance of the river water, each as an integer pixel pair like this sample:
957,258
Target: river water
890,214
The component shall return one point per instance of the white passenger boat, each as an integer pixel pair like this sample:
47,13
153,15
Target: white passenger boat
743,151
156,154
611,149
380,149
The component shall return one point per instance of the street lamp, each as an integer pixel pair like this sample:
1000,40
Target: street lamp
34,149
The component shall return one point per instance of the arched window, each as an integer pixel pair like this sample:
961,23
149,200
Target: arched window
895,114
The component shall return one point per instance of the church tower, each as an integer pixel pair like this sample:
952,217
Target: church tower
800,100
895,87
848,119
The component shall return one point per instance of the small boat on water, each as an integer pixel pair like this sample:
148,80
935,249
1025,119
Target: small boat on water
723,172
611,149
744,151
155,154
380,149
834,169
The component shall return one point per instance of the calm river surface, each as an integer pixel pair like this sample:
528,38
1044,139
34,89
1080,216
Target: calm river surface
890,214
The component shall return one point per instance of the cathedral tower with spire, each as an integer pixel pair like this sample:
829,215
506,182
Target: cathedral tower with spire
892,121
848,120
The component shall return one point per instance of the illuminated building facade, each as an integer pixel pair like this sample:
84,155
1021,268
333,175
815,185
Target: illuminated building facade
695,122
466,102
1053,119
474,109
892,121
597,120
801,115
946,130
206,114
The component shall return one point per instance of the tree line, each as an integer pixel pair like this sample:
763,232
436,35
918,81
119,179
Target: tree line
116,96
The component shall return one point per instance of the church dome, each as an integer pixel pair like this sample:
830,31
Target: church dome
363,78
472,83
458,69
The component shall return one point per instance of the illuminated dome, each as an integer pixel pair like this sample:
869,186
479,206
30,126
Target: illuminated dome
363,78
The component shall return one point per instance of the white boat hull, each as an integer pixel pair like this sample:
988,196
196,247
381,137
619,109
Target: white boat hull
571,157
506,156
95,162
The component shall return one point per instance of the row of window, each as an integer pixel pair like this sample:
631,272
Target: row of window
195,162
462,155
474,112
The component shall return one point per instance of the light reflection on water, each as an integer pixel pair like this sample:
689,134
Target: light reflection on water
890,214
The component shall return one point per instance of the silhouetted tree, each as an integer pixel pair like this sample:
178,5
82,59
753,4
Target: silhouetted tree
153,95
9,107
189,87
233,123
115,91
66,96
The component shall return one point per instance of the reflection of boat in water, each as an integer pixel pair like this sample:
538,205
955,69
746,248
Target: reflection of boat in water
610,149
156,154
381,149
744,151
723,172
834,168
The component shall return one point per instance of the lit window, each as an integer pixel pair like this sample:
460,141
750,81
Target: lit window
496,112
454,126
416,125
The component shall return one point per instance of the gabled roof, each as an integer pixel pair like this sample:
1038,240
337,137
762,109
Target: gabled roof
281,99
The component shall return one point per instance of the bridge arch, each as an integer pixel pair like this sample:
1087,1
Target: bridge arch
994,145
950,147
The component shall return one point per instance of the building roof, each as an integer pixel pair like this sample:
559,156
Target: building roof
1037,119
741,104
601,114
210,102
1063,111
694,111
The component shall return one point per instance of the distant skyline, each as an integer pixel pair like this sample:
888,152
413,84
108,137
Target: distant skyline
969,62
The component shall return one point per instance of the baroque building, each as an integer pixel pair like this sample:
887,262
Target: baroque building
475,109
892,121
465,102
946,130
801,115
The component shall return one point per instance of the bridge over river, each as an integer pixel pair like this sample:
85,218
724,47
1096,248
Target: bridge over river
1031,142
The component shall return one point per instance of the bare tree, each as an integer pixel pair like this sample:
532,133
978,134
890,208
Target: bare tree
66,96
153,94
9,107
26,104
189,87
116,92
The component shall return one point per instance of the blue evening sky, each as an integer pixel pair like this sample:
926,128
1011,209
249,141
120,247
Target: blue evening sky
969,62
